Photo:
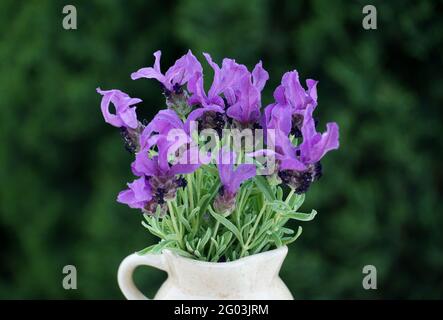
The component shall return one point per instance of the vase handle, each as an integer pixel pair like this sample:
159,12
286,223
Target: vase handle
127,267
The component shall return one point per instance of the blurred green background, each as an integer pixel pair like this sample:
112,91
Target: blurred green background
61,166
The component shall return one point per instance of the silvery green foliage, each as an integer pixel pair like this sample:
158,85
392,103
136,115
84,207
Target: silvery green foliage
194,229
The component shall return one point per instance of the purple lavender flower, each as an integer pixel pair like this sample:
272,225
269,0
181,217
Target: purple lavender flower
209,117
173,80
290,169
138,195
176,76
167,120
231,179
298,166
124,116
210,107
315,145
164,148
198,94
225,81
161,124
286,154
159,165
277,117
292,93
246,98
308,155
240,88
164,178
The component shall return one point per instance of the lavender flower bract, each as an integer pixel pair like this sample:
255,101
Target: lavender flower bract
124,116
176,76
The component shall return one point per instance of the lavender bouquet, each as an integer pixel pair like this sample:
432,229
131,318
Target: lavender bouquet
217,177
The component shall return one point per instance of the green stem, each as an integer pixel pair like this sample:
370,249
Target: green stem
199,183
190,187
288,198
251,233
214,234
174,224
180,225
244,194
277,217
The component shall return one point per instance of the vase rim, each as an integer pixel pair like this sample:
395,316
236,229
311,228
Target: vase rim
282,249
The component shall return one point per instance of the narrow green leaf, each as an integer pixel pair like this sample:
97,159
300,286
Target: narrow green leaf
263,238
204,240
247,222
265,227
292,239
154,231
171,236
182,219
296,201
146,250
234,255
167,225
280,206
228,224
287,231
212,192
189,247
203,199
264,187
262,244
215,243
276,239
181,252
156,248
194,213
279,193
301,216
227,236
197,253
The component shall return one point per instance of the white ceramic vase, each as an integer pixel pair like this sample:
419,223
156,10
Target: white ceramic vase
253,277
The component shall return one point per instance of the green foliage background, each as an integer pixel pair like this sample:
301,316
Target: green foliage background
61,166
